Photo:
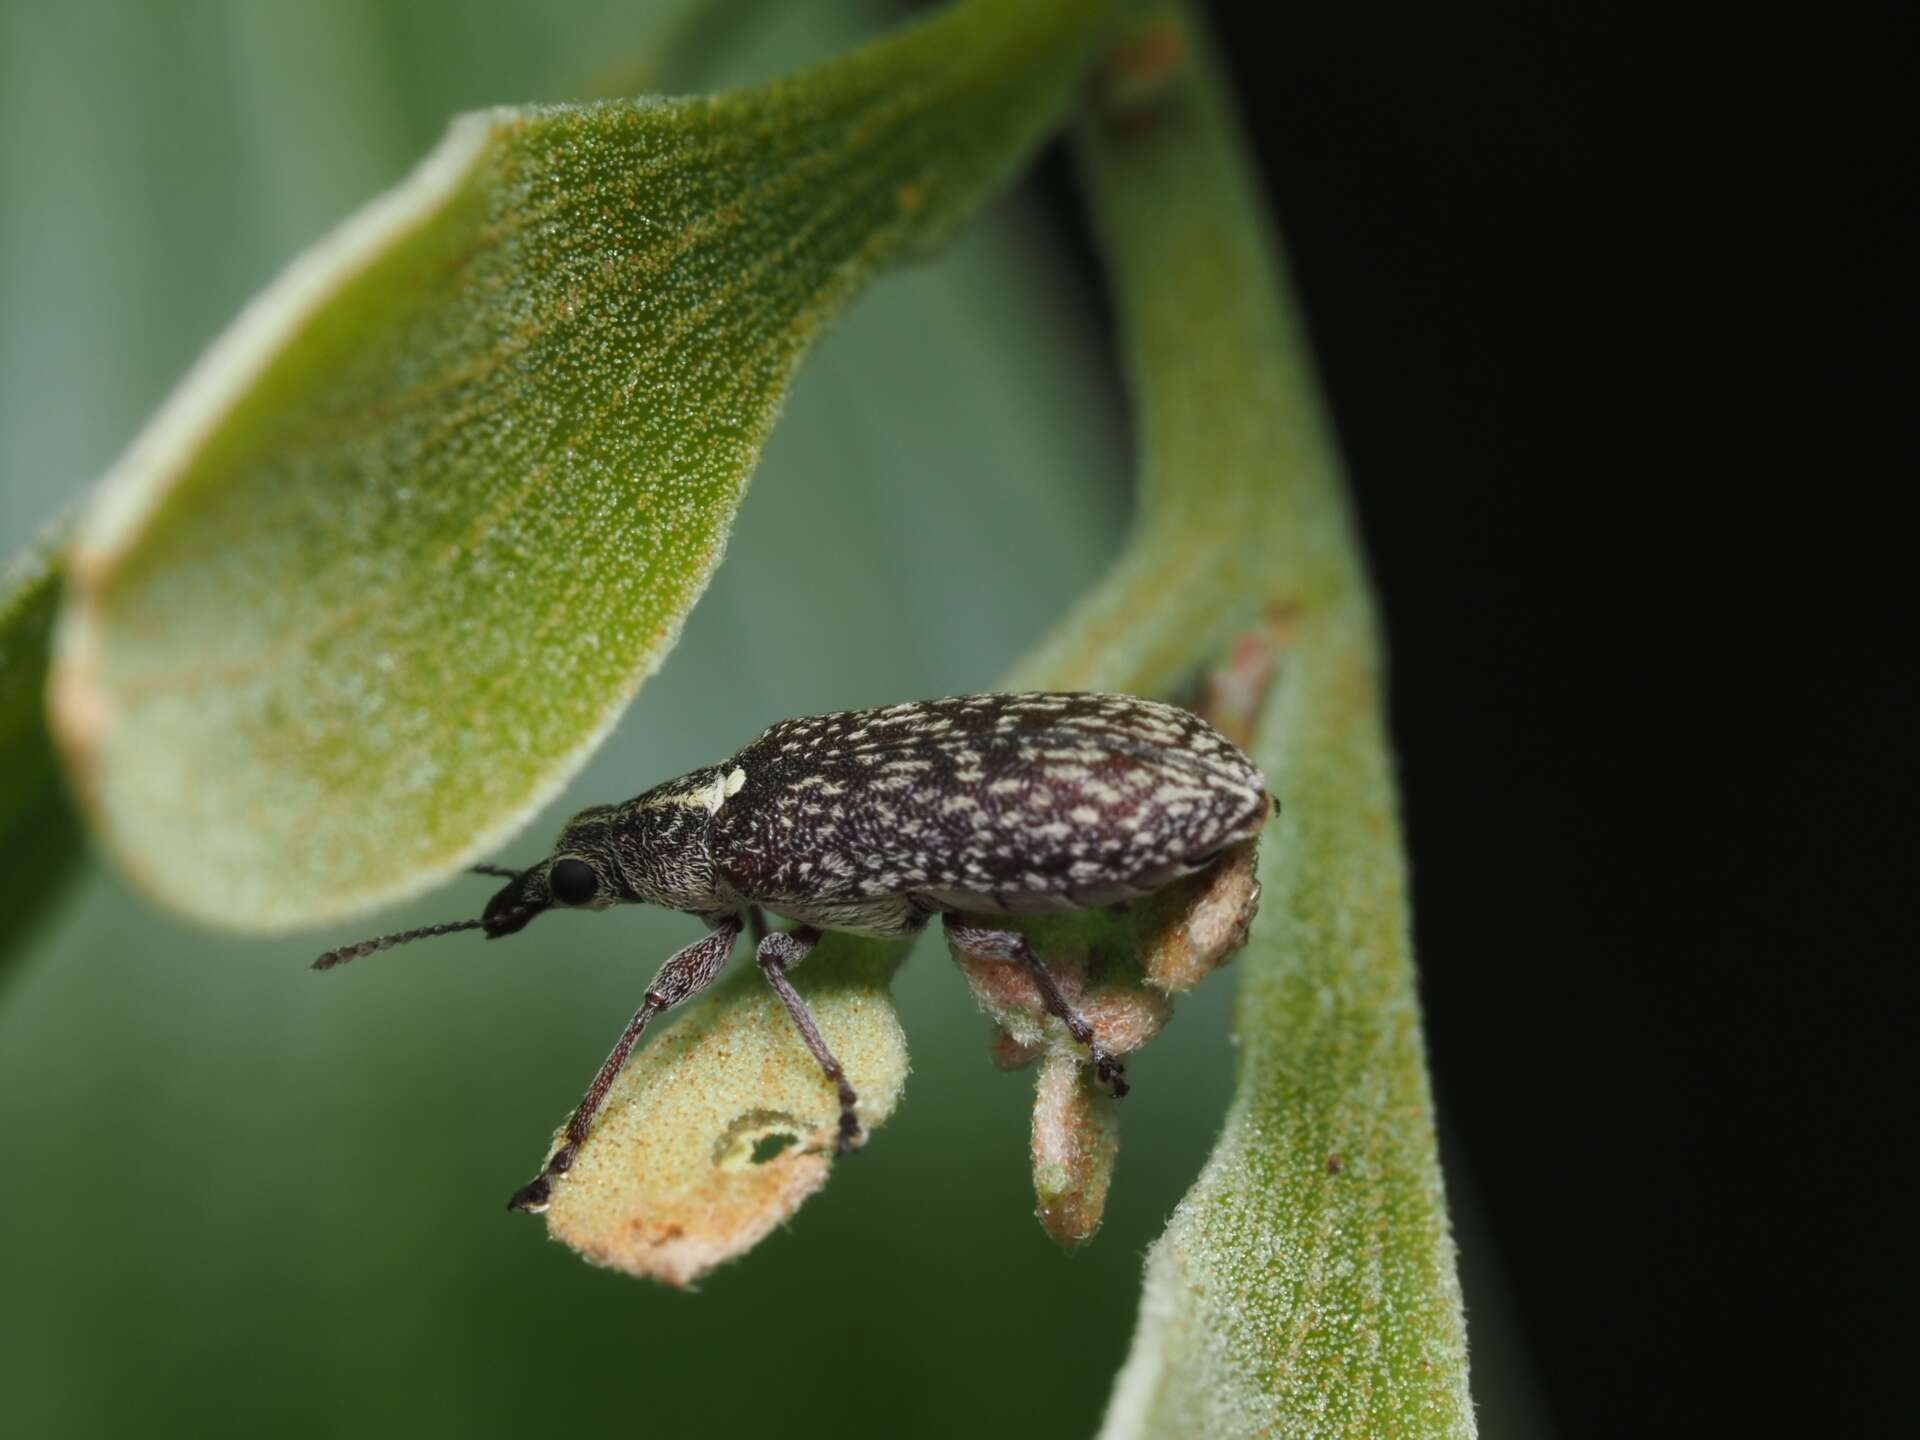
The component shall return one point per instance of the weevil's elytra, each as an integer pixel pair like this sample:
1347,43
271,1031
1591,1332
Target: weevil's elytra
873,822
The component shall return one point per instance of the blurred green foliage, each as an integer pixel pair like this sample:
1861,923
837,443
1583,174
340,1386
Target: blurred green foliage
245,1196
40,832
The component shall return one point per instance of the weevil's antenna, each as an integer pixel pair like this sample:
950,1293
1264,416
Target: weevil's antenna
387,942
500,870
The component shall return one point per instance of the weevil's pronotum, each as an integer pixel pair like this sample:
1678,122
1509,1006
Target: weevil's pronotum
875,821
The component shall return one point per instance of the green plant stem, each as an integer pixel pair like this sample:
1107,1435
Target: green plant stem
1306,1284
40,834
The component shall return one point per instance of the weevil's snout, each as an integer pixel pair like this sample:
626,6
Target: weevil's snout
517,902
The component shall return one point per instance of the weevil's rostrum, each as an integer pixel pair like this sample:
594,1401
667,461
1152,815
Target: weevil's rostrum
874,821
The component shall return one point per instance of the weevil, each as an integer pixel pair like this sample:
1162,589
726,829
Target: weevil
875,821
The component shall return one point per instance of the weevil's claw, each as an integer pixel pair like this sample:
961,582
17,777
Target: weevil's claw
1111,1072
849,1137
533,1196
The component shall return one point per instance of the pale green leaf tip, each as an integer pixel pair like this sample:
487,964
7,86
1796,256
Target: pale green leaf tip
720,1128
80,701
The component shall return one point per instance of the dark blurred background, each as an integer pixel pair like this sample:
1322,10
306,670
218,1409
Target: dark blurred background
1651,800
1609,313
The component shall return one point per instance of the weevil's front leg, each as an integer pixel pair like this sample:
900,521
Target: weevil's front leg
685,975
1012,945
777,953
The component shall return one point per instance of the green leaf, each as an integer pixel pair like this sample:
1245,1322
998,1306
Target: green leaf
721,1128
1306,1284
40,835
402,546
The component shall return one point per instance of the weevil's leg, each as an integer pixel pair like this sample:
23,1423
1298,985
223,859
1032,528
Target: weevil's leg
685,975
1012,945
777,953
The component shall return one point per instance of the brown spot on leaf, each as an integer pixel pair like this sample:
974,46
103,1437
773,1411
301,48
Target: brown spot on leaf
1237,689
1137,73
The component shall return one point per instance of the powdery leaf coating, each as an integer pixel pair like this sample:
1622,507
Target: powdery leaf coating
1194,928
396,554
1119,968
1104,985
723,1124
1076,1138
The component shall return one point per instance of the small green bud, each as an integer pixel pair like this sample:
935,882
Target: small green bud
1076,1138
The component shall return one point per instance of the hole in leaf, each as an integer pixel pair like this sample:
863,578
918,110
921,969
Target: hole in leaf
757,1137
768,1146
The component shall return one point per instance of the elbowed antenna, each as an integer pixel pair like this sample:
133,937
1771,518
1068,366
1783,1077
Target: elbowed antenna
387,942
425,932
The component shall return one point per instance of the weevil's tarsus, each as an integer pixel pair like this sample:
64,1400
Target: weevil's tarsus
990,944
778,953
684,975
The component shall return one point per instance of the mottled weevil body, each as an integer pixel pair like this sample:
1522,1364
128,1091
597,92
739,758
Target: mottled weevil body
875,821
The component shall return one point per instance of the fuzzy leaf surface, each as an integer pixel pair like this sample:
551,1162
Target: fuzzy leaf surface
719,1130
1306,1285
399,550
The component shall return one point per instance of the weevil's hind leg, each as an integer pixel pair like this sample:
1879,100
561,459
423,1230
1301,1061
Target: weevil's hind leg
777,953
1012,945
685,975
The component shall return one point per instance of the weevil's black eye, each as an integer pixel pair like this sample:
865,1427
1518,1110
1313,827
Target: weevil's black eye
572,882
